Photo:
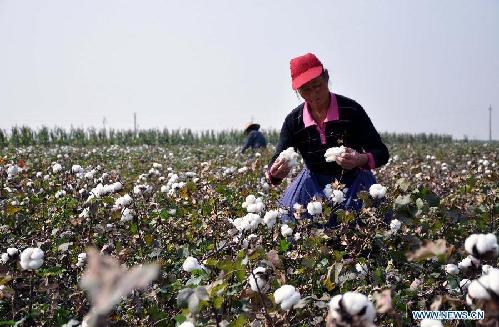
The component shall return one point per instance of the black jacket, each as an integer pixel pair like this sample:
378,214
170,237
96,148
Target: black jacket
353,129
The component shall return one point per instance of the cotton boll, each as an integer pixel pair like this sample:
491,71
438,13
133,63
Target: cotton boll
270,218
82,257
332,153
297,206
75,169
261,282
5,257
351,305
337,196
186,323
290,156
430,323
362,269
31,258
493,280
314,208
191,264
377,191
486,243
287,296
126,215
286,230
12,252
486,269
395,225
60,194
451,269
56,168
477,289
12,171
468,262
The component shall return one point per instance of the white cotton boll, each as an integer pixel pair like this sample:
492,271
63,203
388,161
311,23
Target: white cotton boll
270,218
242,170
31,258
486,269
297,236
297,206
157,165
60,194
337,196
362,269
164,189
56,168
314,208
12,252
328,191
75,169
465,263
5,257
253,220
286,230
39,174
377,191
85,213
290,156
334,152
395,225
123,201
451,269
117,186
430,323
486,243
82,257
13,171
126,215
287,296
477,289
470,243
191,264
186,323
46,177
494,280
261,282
354,304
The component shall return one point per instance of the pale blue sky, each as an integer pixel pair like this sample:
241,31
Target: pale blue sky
415,66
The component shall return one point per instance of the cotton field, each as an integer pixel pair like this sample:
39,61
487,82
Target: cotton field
193,236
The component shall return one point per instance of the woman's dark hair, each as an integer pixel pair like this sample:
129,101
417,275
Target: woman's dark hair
325,75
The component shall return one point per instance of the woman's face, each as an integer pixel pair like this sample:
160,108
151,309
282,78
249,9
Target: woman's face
315,92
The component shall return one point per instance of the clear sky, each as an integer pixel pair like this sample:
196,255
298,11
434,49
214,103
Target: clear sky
415,66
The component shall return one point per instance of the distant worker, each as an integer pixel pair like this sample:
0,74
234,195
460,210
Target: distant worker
254,138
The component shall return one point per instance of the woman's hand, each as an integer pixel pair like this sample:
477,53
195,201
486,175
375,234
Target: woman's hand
280,169
351,159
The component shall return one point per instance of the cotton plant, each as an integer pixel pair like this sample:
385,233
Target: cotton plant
332,153
377,191
287,296
289,156
349,309
336,196
31,258
253,204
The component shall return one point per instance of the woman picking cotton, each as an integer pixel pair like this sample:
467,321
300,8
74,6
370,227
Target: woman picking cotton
334,136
